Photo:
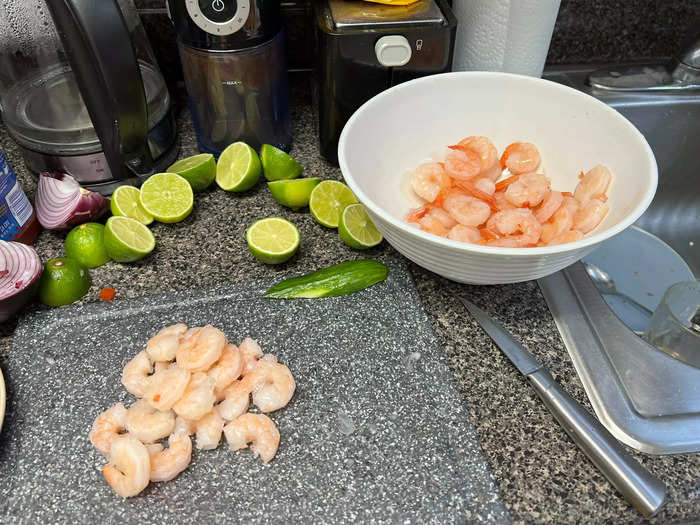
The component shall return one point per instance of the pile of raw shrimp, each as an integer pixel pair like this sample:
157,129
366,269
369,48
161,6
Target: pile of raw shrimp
466,201
189,382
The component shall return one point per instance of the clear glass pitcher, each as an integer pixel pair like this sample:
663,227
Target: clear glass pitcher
79,77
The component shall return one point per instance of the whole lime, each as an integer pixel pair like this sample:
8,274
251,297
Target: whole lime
85,244
64,281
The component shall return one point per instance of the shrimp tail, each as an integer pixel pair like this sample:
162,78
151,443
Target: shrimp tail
468,186
501,185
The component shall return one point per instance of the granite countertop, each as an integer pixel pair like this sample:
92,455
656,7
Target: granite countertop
541,474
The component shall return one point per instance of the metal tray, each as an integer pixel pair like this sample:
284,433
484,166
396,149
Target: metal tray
647,399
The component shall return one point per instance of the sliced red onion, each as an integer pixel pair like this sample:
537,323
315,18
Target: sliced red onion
61,202
20,267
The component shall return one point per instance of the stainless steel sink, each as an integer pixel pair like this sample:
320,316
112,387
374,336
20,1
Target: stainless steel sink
671,125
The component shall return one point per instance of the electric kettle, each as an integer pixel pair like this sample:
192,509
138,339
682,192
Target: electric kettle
81,92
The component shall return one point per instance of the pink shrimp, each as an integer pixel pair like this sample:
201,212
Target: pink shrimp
551,203
462,163
484,148
463,233
593,185
528,190
486,185
520,157
519,226
560,222
437,221
465,209
501,203
570,236
429,180
590,215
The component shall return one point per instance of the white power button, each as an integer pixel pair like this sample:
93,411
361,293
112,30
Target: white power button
218,5
393,51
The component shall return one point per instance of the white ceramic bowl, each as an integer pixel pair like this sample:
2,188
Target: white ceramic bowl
408,124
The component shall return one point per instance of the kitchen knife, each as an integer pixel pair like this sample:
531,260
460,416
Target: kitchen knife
639,487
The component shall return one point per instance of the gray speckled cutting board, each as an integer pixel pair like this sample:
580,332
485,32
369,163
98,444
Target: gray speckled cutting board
376,431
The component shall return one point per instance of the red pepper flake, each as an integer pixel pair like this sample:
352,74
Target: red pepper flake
156,398
18,284
107,294
567,194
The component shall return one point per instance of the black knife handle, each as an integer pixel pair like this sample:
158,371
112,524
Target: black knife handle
639,487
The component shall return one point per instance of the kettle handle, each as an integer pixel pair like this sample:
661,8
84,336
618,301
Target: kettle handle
102,57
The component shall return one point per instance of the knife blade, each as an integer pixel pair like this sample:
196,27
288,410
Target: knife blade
639,487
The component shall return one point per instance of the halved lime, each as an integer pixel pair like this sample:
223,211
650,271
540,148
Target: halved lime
238,168
167,196
85,244
277,165
356,228
126,202
293,194
63,281
198,170
273,240
127,240
328,200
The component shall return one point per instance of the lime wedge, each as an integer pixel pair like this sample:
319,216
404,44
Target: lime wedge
273,240
126,202
277,165
167,196
127,240
356,228
328,200
238,168
198,170
293,194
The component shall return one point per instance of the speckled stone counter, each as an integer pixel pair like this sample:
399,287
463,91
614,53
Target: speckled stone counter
542,476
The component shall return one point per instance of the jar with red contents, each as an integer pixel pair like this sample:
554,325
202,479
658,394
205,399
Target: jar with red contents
18,220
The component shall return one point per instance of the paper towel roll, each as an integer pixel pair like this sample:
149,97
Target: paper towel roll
504,35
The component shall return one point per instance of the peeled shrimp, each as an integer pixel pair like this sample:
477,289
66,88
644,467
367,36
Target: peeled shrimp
147,424
570,236
465,209
200,348
251,352
166,387
429,180
560,223
163,345
593,185
486,185
258,430
167,463
551,203
464,233
130,466
462,164
227,369
136,374
236,400
107,427
271,384
209,429
484,148
520,157
519,226
198,398
501,202
590,215
528,190
187,426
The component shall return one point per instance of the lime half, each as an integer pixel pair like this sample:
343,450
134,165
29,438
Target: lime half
328,200
85,244
238,168
277,165
273,240
126,202
127,240
198,170
294,194
63,281
167,196
356,228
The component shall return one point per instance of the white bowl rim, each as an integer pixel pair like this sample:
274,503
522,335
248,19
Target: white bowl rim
495,250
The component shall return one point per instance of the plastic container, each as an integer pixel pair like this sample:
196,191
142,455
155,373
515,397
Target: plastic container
17,218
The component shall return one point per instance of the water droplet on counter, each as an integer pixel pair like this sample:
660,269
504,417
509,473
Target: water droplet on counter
345,423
